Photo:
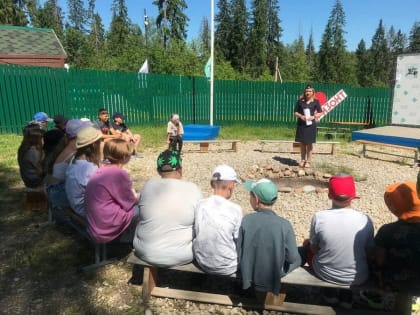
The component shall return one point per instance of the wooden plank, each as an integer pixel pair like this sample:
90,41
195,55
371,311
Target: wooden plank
204,144
226,300
296,145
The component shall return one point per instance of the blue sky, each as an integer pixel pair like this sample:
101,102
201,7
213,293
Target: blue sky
298,17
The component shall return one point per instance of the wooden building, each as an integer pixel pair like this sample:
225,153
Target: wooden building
30,46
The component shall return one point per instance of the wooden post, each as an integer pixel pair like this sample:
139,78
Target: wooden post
149,282
204,147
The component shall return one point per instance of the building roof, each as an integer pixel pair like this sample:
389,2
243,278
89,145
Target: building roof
17,40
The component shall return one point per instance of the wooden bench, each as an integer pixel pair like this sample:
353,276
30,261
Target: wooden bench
301,276
365,143
34,200
204,144
296,146
76,222
333,132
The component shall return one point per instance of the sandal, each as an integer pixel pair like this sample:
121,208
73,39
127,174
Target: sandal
302,163
307,164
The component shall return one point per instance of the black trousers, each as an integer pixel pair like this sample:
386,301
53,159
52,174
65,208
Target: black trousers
175,141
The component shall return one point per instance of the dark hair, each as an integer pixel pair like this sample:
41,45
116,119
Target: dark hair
33,137
102,110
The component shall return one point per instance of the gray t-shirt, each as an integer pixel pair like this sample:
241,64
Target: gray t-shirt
343,236
216,229
165,231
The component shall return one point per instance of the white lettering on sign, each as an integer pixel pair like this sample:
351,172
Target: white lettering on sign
332,103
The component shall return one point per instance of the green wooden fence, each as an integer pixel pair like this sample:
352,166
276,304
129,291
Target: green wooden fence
151,98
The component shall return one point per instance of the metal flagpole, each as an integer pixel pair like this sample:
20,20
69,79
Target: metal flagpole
211,60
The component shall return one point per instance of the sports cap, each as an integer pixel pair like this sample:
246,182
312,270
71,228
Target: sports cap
264,189
224,172
41,116
168,161
342,188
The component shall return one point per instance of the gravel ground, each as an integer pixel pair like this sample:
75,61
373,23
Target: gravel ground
376,170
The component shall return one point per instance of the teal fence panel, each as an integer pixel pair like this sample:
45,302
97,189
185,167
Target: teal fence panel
151,98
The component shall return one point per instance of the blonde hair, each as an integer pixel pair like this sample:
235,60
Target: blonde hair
117,151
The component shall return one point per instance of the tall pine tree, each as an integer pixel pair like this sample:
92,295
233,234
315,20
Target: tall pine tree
414,39
333,61
258,38
223,29
380,65
238,35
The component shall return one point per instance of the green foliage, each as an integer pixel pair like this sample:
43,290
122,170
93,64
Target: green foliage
333,61
414,45
247,42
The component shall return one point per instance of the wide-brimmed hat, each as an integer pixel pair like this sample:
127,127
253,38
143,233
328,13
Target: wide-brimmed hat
168,161
402,200
264,189
86,136
224,172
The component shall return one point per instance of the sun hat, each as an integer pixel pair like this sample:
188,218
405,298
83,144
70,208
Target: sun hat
86,136
224,172
342,188
60,120
118,115
41,116
264,189
402,200
73,126
168,161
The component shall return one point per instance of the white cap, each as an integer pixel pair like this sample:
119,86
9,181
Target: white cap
225,172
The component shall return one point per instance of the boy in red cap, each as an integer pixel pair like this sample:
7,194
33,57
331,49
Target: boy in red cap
340,238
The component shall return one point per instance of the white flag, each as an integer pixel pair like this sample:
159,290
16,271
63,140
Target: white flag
145,67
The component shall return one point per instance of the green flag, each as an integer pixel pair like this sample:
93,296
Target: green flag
207,68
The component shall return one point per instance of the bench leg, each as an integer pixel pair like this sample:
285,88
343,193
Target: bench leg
268,298
332,148
149,282
204,147
234,146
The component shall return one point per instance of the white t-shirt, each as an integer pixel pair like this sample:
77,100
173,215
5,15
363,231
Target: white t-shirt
165,231
343,236
216,228
175,130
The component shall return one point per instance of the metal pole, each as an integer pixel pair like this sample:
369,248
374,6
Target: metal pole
211,60
146,24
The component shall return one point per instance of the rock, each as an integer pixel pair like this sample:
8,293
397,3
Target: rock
327,175
285,189
321,190
308,189
301,173
287,173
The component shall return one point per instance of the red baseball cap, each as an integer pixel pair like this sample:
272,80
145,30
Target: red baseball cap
342,188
